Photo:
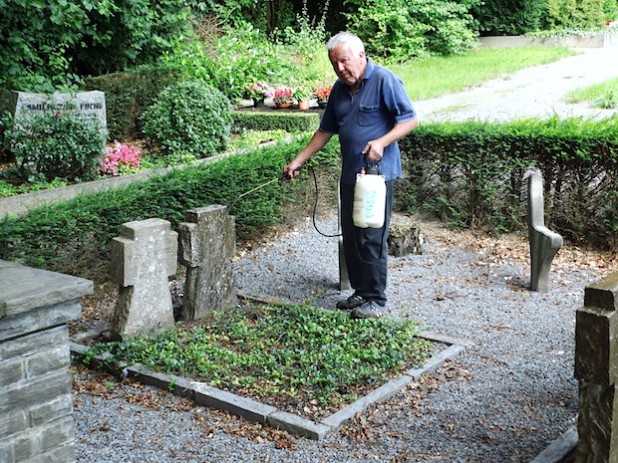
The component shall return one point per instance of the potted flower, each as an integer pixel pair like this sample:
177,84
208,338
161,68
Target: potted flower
256,92
283,97
322,93
302,95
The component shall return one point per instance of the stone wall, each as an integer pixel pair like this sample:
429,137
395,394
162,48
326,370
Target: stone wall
36,421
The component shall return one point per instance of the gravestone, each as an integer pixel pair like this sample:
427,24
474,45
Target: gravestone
142,260
82,105
207,242
596,369
544,244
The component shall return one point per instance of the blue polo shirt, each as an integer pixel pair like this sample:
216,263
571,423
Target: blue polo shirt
375,108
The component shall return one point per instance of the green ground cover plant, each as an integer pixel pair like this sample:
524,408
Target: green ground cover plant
602,95
296,354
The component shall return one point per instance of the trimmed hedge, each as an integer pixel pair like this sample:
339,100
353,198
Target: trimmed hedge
290,121
74,237
471,174
129,93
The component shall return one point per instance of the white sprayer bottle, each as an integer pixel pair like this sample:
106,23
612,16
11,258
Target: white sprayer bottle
369,198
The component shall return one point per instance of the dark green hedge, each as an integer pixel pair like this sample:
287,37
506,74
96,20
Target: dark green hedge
290,121
128,94
74,237
471,173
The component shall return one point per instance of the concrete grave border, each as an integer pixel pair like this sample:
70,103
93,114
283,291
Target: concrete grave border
202,394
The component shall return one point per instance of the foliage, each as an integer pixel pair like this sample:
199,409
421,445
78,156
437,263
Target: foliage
294,351
189,118
471,174
7,189
83,228
231,60
249,139
400,32
322,92
120,158
506,17
129,93
55,145
291,122
49,45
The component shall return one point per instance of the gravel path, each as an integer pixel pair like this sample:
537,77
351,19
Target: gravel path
504,399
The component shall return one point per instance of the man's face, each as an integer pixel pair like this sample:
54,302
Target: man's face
348,65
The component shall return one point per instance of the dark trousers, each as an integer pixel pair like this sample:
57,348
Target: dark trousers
366,249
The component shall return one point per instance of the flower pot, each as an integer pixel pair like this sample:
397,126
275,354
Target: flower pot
284,105
258,103
303,105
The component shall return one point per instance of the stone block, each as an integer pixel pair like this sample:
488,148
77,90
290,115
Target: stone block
11,372
39,319
42,389
603,293
12,423
46,412
596,424
23,289
142,260
34,342
299,425
596,358
208,242
235,404
57,358
404,239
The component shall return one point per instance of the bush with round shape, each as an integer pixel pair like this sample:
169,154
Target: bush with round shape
189,118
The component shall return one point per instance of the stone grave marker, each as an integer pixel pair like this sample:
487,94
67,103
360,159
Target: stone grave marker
596,369
142,260
207,242
544,243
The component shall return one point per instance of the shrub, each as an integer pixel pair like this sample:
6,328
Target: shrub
129,93
189,118
55,145
270,120
471,174
414,29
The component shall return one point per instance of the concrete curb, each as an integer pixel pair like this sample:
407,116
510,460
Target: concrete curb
560,448
203,394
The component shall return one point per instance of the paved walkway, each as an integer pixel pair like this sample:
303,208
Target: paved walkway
532,92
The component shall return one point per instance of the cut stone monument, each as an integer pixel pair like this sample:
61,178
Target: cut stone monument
142,260
36,408
544,244
596,369
207,242
404,238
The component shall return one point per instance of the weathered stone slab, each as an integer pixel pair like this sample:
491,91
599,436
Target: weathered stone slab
142,260
404,239
83,105
596,352
208,242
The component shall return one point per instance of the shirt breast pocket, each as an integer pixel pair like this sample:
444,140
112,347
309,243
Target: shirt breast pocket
368,114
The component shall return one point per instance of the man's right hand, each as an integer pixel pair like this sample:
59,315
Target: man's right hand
292,170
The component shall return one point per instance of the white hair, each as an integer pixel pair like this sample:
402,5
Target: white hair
355,43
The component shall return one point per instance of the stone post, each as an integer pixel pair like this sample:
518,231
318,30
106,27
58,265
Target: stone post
344,276
207,242
596,369
142,260
36,409
544,244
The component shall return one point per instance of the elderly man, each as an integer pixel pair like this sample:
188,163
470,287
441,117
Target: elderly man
370,111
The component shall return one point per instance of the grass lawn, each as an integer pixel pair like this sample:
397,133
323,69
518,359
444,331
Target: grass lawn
603,95
440,75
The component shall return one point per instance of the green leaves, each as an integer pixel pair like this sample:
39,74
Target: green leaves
286,351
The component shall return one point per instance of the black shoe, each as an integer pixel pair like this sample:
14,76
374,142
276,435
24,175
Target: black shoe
351,302
370,309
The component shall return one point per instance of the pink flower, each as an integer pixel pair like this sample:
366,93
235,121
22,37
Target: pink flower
120,157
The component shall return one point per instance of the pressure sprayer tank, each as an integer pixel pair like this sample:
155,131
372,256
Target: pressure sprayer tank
369,198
